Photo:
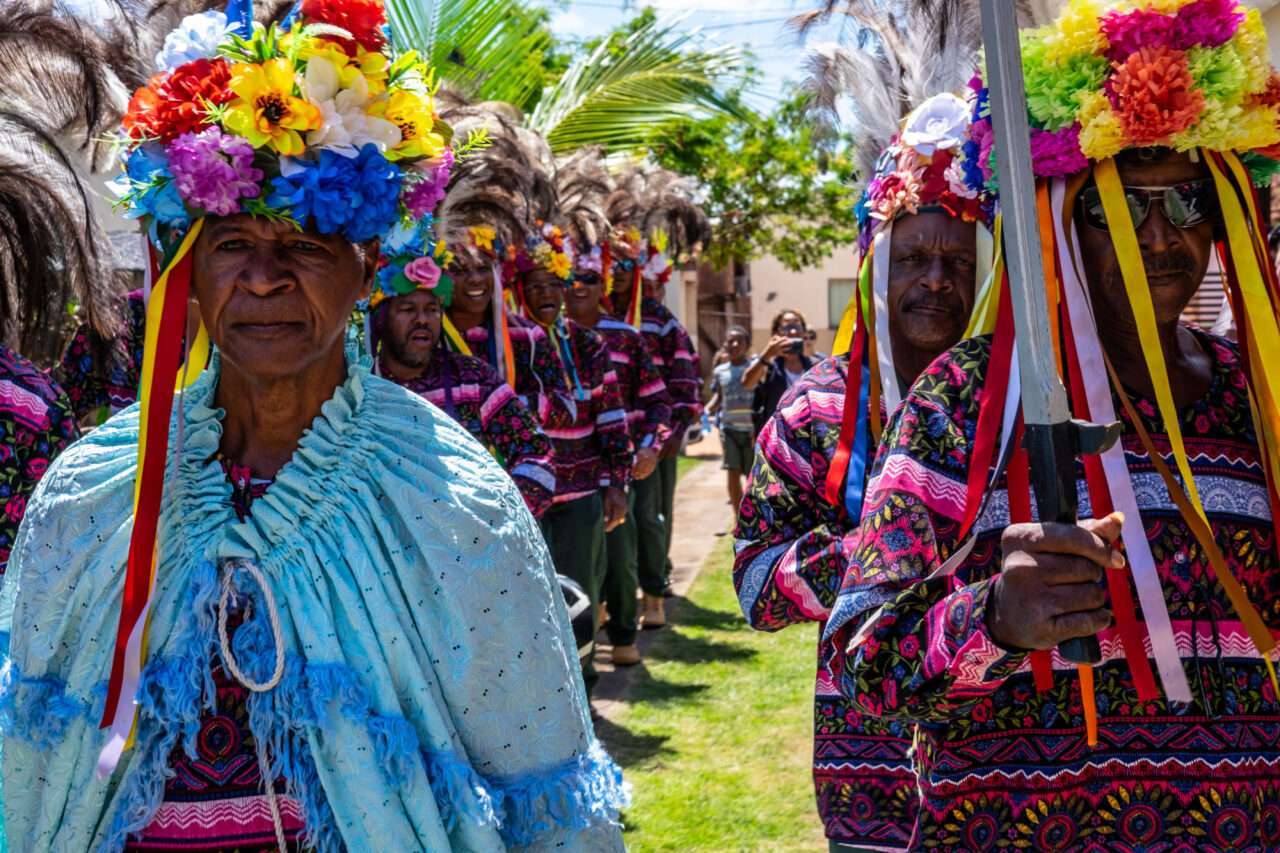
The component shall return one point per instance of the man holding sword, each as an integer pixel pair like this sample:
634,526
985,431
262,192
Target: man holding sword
954,599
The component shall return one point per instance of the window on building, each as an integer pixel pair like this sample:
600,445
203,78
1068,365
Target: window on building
839,292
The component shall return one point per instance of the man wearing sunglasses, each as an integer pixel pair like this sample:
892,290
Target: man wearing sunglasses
955,601
648,407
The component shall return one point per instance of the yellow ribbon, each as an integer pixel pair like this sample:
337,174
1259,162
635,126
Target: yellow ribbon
844,333
987,302
1125,240
455,337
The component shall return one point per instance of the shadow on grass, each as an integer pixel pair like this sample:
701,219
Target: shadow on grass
688,613
679,647
629,748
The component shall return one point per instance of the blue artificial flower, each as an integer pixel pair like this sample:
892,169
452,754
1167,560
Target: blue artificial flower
150,189
358,197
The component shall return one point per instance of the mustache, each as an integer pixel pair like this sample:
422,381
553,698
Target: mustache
1169,262
931,301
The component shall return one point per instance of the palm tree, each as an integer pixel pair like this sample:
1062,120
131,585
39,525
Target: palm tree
618,96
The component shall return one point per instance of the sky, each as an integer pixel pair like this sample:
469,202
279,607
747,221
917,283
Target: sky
759,25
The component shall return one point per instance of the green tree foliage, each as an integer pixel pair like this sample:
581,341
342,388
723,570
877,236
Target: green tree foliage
774,185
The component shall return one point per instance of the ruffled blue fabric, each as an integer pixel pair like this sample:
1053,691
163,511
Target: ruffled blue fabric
430,698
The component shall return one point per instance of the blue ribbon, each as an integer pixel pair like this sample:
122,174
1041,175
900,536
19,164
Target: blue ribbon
287,23
240,17
855,480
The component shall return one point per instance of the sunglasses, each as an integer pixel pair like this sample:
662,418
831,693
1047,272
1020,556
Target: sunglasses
1186,205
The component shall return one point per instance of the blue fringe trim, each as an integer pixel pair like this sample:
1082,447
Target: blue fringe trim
575,795
36,711
580,793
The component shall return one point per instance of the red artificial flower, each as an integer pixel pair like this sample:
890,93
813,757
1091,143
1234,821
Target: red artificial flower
176,103
364,19
1155,95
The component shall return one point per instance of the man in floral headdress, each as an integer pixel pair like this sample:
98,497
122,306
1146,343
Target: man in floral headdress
297,607
1146,117
593,456
407,339
648,407
799,513
674,356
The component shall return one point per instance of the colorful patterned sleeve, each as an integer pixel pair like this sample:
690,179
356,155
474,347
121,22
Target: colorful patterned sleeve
512,430
911,647
617,454
38,423
792,544
684,380
652,397
541,383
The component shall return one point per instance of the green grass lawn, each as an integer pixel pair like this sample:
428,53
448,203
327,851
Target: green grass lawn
716,738
685,464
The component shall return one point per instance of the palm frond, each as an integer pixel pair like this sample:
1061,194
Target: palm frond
617,95
477,46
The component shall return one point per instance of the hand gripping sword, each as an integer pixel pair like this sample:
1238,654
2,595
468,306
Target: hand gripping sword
1053,438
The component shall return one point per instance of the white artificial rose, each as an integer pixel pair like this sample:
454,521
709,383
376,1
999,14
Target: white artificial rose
197,37
345,125
939,124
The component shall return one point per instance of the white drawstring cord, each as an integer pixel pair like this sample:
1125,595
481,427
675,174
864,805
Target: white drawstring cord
229,660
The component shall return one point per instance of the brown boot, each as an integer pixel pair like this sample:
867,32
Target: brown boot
626,655
655,613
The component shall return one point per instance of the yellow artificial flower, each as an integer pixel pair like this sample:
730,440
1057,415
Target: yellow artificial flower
265,111
1250,43
659,239
1075,33
559,265
1256,128
482,236
1101,135
414,115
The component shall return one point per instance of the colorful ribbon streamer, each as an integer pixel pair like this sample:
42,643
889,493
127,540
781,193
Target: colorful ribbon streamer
165,330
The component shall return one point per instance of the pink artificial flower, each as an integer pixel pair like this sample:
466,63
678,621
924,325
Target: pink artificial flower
982,134
423,271
1207,23
1128,32
213,171
1057,154
429,192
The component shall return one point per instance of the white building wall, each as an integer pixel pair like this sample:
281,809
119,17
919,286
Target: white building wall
775,288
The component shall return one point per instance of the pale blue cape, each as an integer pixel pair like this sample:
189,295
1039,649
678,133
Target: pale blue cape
432,698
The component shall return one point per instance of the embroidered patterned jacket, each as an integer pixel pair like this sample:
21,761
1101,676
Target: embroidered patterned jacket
36,424
791,552
1001,765
472,393
595,451
644,393
676,358
105,376
539,380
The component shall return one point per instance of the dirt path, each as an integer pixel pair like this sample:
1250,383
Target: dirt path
702,511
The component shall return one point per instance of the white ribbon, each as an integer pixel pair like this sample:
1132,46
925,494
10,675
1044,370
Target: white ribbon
1101,409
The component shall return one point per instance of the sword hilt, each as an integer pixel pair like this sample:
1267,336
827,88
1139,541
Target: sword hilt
1051,451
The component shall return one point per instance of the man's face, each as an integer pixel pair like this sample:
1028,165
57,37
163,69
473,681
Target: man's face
623,280
585,293
274,299
735,346
413,327
655,290
472,281
544,295
1175,258
932,266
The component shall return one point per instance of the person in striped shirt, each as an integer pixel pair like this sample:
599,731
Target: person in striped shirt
648,405
406,333
592,456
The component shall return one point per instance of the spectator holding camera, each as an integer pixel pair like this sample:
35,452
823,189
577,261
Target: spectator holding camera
779,366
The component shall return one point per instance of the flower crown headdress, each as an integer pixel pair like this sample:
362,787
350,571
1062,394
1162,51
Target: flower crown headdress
1105,77
1188,75
319,122
925,166
547,248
